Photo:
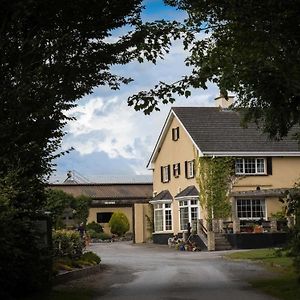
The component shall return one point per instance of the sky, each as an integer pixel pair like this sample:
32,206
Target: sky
110,138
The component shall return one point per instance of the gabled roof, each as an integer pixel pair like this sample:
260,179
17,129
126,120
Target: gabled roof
218,132
190,191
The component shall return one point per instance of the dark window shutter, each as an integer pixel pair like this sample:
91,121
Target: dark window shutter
162,174
186,168
178,168
194,168
269,166
177,133
174,169
173,134
169,172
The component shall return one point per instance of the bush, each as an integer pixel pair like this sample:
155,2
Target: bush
118,223
91,257
98,235
67,243
94,226
93,234
104,236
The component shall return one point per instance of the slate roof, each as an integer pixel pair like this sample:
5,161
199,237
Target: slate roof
190,191
217,130
108,191
163,195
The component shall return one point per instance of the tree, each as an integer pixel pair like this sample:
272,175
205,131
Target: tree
51,54
57,201
250,48
118,223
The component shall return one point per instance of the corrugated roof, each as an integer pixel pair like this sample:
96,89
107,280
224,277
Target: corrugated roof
190,191
115,191
217,130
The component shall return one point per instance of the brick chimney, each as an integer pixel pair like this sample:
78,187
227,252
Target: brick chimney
222,102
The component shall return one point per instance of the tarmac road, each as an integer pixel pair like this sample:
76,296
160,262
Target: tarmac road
150,272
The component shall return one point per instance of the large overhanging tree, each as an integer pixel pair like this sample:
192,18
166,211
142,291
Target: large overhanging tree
250,48
51,54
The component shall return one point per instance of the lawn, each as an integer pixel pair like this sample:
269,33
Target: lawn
285,285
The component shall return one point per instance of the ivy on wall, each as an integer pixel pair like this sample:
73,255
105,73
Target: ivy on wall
215,177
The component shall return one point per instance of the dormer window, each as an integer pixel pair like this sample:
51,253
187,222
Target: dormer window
175,134
250,166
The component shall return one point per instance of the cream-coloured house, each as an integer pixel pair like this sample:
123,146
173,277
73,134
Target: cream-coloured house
266,168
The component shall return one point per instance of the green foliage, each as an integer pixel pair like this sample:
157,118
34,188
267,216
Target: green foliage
283,286
150,219
53,53
67,243
250,48
93,234
279,216
57,201
214,177
292,209
22,255
81,205
91,257
94,226
118,223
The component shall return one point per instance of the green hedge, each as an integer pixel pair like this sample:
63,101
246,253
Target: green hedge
94,226
67,243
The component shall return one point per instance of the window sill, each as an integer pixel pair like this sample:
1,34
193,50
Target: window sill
251,174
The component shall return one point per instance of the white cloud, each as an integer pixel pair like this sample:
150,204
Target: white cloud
108,130
109,126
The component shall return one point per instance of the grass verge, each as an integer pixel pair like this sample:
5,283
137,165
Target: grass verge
284,285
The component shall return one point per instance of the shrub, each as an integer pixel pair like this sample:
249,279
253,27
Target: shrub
118,223
104,236
91,257
98,235
93,234
67,243
94,226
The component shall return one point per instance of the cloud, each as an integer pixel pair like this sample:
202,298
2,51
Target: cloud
111,138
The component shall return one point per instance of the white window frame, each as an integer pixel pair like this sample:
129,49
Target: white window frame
186,203
176,168
262,204
165,174
190,169
164,207
256,172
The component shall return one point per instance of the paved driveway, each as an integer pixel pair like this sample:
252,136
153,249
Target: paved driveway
157,272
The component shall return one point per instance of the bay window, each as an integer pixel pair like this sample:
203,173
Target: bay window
162,217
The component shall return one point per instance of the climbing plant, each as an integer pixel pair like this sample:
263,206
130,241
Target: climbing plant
215,176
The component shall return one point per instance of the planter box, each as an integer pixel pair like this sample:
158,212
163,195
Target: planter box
256,240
